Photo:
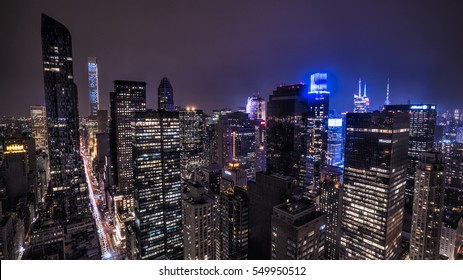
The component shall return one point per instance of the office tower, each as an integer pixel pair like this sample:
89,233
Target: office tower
128,97
232,225
335,153
233,175
256,108
210,143
165,95
102,120
374,185
269,190
93,85
191,141
317,127
387,102
67,189
261,145
39,127
428,204
298,231
331,204
213,176
361,102
421,139
158,210
198,224
287,131
236,141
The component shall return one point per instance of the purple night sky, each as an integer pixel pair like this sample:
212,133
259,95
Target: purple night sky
216,53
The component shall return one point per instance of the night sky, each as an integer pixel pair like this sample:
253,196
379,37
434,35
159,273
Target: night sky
217,53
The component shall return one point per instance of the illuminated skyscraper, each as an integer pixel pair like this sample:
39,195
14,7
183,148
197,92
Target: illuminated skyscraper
191,140
39,127
361,102
317,127
158,205
387,102
93,85
165,95
298,231
256,108
68,189
335,153
374,185
428,207
422,131
128,97
198,224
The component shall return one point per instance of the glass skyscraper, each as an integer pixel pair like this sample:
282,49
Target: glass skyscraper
165,95
93,85
374,185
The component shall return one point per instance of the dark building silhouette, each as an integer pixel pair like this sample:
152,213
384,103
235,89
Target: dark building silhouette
287,131
165,95
374,185
158,202
269,190
67,189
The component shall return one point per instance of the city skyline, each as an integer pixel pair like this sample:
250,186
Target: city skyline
212,58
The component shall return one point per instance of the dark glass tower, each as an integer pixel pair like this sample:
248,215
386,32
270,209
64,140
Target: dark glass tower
158,208
374,185
128,97
67,189
287,131
165,95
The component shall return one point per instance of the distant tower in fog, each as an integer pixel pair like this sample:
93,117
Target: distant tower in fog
165,95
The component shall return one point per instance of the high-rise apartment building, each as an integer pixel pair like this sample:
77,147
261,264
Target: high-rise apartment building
374,185
428,207
165,95
92,65
158,209
198,224
298,231
128,97
39,127
68,189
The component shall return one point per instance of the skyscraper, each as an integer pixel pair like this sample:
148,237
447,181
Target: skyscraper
361,102
128,97
158,209
287,131
298,231
374,185
93,85
335,152
198,224
39,127
256,108
331,204
421,139
428,204
68,189
317,127
191,140
165,95
269,190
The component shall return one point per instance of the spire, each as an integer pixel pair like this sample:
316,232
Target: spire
360,87
365,90
387,102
